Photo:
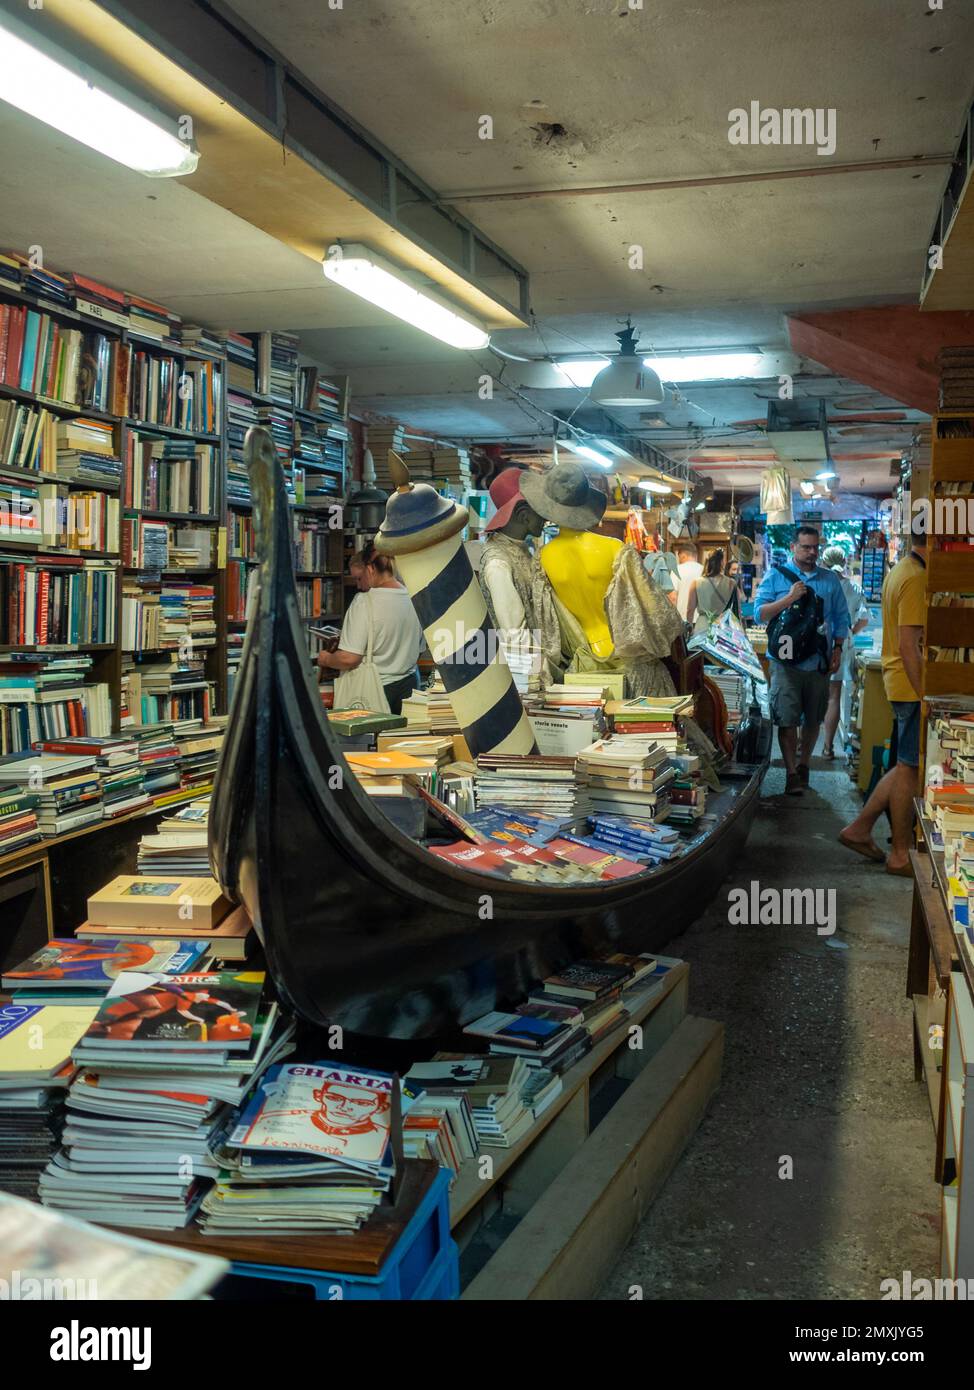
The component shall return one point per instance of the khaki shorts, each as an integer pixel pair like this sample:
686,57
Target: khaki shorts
797,697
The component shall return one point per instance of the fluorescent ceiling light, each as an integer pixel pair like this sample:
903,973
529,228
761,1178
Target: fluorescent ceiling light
587,452
825,475
582,371
53,86
361,270
652,485
712,366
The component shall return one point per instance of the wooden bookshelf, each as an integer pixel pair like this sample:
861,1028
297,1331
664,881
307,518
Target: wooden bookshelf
108,656
948,571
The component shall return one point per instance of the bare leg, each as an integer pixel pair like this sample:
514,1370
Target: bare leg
788,743
809,739
832,716
894,794
901,796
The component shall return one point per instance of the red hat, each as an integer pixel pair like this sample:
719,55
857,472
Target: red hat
505,493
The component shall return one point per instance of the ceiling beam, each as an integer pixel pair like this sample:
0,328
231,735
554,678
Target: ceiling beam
892,349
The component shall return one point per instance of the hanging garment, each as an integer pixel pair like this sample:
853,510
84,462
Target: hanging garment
635,530
507,576
776,497
642,621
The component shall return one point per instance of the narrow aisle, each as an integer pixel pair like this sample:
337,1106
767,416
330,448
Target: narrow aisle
818,1066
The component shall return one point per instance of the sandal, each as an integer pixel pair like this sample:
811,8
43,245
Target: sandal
866,848
828,752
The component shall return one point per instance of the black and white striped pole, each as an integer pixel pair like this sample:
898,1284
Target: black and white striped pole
422,530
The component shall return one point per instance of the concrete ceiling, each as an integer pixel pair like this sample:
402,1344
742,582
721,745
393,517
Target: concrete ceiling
642,98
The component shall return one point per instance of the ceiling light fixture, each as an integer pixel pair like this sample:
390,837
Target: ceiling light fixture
372,277
582,371
586,451
55,87
824,476
712,366
652,485
627,381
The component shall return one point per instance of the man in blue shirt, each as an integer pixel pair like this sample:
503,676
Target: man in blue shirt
800,689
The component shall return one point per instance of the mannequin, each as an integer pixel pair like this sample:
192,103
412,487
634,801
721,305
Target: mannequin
579,566
610,615
507,567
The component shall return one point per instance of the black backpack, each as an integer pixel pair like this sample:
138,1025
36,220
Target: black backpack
803,624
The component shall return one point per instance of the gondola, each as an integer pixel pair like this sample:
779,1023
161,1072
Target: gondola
361,926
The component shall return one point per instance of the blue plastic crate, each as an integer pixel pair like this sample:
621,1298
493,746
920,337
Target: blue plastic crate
424,1265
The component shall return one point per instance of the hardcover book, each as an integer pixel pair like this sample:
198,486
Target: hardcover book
147,901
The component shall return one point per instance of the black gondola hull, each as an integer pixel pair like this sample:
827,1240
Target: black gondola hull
362,927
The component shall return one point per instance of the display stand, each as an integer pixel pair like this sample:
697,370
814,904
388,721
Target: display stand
565,1200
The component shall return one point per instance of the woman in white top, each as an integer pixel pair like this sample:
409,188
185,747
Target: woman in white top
397,635
711,595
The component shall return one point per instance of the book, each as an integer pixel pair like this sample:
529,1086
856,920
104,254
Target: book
523,1030
36,1040
587,979
66,963
228,940
131,901
321,1110
42,1250
205,1010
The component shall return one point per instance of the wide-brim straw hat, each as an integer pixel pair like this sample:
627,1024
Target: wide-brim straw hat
564,496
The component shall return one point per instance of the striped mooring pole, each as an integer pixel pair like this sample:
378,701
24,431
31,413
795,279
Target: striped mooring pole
422,531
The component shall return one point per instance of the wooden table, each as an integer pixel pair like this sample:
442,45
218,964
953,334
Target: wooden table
359,1252
933,956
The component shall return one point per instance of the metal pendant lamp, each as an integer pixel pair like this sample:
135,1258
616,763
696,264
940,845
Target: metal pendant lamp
627,380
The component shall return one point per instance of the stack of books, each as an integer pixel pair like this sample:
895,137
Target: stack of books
35,1069
654,717
493,1086
439,1125
537,784
241,416
159,757
162,1063
277,365
187,614
18,820
382,438
641,840
199,752
956,378
310,1152
567,718
179,844
533,1035
119,770
625,775
241,362
731,686
66,788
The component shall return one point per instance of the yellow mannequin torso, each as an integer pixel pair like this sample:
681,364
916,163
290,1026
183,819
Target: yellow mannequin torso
579,567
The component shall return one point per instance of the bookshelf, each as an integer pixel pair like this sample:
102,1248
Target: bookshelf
950,557
128,441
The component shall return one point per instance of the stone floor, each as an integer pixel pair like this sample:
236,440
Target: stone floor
818,1065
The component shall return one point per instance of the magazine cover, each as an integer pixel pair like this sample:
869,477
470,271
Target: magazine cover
317,1108
217,1008
65,962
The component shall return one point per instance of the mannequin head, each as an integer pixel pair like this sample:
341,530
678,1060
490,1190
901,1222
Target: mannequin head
524,522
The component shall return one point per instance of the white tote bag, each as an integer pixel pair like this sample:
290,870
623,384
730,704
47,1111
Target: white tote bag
362,687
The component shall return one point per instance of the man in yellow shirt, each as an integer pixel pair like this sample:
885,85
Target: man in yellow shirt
904,605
